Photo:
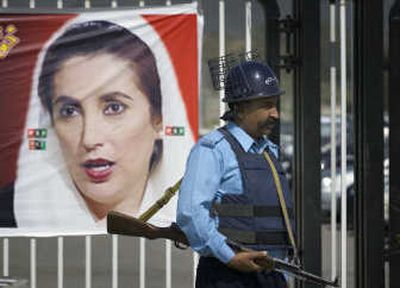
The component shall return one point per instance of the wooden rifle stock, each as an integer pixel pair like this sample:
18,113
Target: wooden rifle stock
122,224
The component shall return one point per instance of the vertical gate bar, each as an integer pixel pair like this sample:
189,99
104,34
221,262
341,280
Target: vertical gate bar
221,51
369,87
114,261
168,266
168,260
142,272
33,262
195,262
142,263
248,26
168,243
142,241
6,249
88,259
195,255
307,142
6,259
393,279
332,15
343,150
60,261
33,241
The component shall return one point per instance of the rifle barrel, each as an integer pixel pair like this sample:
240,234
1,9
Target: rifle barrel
297,271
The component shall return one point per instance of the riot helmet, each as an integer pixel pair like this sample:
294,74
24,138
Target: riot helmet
250,80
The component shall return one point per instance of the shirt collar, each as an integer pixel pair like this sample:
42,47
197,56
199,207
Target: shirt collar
246,141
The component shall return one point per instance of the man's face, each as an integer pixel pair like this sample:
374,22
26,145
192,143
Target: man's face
258,117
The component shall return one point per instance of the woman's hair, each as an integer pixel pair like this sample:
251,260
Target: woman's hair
96,37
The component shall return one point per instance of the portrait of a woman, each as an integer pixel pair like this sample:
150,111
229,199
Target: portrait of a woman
105,89
104,98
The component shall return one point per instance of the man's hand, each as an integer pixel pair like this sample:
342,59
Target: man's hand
247,261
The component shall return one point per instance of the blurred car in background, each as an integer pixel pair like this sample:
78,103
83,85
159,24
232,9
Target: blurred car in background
287,150
326,174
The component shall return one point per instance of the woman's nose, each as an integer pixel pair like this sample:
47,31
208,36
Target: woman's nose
92,134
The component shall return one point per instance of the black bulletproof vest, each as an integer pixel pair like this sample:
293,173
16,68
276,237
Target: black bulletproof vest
255,218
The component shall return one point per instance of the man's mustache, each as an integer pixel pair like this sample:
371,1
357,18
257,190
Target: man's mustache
269,123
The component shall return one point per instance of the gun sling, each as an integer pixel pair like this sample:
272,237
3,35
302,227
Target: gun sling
283,206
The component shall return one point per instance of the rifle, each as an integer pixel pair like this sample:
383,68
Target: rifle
122,224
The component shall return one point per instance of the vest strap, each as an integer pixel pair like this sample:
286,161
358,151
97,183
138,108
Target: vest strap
254,237
283,206
242,210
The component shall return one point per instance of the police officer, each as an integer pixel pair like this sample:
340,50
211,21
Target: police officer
228,190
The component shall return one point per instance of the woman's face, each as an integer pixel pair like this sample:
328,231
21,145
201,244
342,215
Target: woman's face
106,131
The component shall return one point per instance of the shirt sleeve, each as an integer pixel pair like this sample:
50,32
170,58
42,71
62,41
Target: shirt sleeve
203,173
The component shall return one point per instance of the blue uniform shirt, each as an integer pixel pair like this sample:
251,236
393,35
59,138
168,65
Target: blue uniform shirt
211,171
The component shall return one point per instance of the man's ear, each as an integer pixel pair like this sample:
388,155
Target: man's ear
238,109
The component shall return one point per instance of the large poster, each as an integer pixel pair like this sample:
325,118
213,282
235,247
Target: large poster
98,112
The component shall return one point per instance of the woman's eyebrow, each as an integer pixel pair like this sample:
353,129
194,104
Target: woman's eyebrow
114,95
65,100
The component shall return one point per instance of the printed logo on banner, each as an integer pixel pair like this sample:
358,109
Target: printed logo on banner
8,40
37,139
175,131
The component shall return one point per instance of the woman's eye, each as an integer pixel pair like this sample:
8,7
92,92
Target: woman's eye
69,111
114,108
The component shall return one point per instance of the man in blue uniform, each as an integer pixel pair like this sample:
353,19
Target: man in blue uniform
229,192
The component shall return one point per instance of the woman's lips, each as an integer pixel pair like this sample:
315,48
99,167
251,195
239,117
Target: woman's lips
98,170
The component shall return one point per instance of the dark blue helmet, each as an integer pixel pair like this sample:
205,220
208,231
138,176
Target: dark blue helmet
250,80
